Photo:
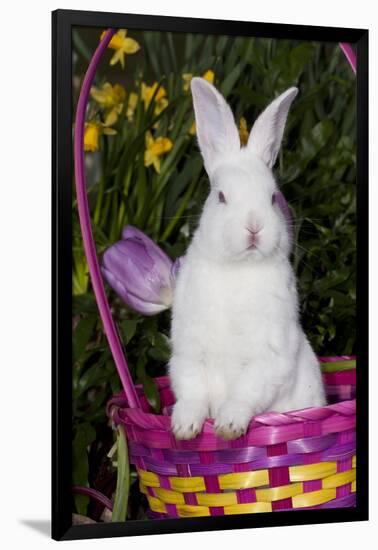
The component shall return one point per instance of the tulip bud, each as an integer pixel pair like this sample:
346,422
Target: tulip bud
139,272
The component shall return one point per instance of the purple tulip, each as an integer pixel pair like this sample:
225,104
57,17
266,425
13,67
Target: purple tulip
139,272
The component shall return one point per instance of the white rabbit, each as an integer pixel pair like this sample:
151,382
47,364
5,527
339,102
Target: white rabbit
238,348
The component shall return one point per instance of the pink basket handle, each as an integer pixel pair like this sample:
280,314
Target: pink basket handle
86,228
349,54
85,221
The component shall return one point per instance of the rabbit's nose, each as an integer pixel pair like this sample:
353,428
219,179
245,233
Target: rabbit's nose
254,229
253,236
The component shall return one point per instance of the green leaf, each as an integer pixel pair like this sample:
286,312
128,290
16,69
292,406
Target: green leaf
300,56
92,377
123,478
82,335
152,393
229,82
128,329
161,350
85,434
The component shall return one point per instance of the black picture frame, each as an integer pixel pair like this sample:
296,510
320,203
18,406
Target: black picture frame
62,164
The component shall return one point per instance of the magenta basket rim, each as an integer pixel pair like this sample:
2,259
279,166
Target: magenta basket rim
264,429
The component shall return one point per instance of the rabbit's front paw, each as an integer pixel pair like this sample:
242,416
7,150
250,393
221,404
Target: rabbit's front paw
232,420
187,419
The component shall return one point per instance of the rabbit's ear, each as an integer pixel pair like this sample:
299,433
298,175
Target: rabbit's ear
215,125
266,134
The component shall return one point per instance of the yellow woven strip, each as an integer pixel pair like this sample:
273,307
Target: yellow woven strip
188,511
244,480
169,497
354,461
149,479
313,498
339,479
142,488
193,511
217,499
252,508
230,499
278,493
312,471
353,486
240,480
156,505
187,484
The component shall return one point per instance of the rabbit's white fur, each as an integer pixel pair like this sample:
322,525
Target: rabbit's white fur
238,348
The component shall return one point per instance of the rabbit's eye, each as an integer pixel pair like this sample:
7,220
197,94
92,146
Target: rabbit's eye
221,197
274,198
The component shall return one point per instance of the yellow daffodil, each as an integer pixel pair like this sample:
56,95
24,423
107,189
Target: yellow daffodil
111,99
187,77
108,96
192,130
123,45
131,106
243,131
209,75
161,100
154,149
92,133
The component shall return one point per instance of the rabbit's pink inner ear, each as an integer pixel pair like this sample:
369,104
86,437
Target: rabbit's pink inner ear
266,134
216,129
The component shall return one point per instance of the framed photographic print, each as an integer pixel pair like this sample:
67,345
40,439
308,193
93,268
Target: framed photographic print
210,342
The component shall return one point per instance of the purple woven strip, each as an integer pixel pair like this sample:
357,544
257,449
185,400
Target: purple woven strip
151,491
249,454
279,476
156,515
344,465
212,486
343,502
171,510
313,485
169,469
349,436
164,482
311,444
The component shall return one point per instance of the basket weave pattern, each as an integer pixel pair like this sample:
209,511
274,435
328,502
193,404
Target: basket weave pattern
300,459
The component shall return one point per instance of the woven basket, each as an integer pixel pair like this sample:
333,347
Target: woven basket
299,459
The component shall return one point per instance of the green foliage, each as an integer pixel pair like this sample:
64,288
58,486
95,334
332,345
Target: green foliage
123,477
316,170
